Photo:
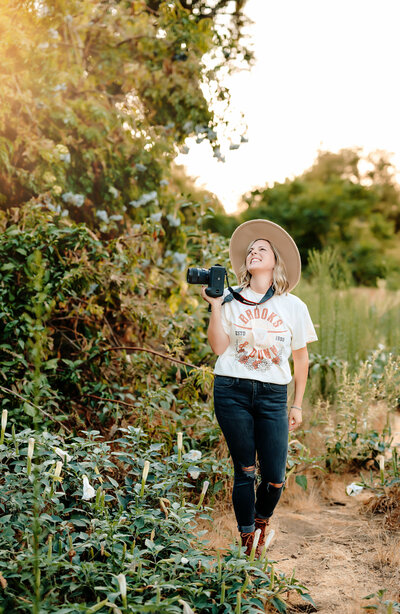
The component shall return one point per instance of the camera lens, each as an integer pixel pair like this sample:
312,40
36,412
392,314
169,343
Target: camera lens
198,276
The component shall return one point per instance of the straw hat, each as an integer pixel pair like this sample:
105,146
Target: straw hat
264,229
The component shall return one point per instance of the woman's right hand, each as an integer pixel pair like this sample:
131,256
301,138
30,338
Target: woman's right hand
217,301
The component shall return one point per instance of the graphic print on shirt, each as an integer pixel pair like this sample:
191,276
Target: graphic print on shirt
259,339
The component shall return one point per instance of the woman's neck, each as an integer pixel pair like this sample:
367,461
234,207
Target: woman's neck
260,284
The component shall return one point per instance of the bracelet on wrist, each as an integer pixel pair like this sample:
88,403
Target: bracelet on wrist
296,407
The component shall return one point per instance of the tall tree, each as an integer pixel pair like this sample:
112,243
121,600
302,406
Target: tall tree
96,97
343,200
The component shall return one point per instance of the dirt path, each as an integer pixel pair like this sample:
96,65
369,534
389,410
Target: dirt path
337,552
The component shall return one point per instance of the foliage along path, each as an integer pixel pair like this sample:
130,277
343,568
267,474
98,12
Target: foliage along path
339,553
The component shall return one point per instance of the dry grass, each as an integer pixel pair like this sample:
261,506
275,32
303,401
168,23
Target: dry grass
386,553
387,504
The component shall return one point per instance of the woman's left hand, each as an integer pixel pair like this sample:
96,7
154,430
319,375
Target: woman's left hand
295,418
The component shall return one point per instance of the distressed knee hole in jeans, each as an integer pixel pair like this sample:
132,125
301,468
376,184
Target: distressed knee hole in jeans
277,486
250,471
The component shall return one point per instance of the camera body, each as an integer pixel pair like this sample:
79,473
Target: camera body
214,278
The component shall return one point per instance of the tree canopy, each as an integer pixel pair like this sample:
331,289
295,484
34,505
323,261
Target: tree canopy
98,96
344,200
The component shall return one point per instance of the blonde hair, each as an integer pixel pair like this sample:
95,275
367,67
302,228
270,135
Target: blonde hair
279,275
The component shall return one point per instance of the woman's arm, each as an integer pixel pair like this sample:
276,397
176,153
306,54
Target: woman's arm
217,337
300,363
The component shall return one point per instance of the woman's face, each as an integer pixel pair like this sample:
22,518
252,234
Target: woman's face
260,257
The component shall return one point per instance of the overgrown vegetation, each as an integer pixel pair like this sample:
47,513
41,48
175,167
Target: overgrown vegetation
111,510
72,306
104,359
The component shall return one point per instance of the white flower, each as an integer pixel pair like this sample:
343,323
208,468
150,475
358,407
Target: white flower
192,455
116,217
179,440
122,584
256,539
88,490
113,191
4,419
164,182
381,460
173,221
140,167
102,214
186,607
73,199
56,209
156,217
63,454
144,199
194,473
57,471
146,468
3,425
354,489
184,560
269,538
205,486
31,445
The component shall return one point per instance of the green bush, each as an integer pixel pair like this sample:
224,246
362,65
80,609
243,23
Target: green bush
68,301
62,550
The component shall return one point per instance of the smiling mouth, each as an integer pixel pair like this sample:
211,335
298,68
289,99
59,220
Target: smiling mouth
255,260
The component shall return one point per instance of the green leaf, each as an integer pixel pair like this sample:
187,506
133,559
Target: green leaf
301,480
308,598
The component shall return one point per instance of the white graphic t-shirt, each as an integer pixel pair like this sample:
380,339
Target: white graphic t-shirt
262,337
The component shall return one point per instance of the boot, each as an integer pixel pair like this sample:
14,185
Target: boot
247,541
262,524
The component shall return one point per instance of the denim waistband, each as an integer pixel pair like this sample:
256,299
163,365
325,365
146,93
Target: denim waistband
247,381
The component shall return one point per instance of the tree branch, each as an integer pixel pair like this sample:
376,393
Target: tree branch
139,349
36,407
93,396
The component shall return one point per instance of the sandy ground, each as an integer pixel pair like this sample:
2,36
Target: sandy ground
339,553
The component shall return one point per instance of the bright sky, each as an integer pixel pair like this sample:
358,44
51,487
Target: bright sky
326,77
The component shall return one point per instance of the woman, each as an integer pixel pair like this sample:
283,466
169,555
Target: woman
253,330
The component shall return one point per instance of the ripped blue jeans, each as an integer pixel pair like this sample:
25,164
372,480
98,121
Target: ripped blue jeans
253,418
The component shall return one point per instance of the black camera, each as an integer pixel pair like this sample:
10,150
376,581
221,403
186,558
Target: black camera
213,277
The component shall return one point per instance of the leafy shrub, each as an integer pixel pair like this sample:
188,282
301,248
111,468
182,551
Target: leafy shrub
351,438
143,528
71,304
385,488
379,604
